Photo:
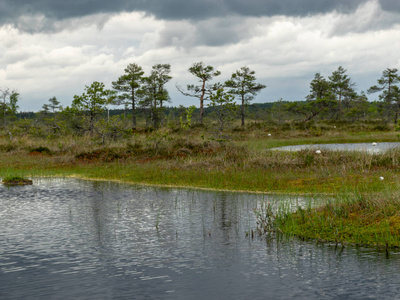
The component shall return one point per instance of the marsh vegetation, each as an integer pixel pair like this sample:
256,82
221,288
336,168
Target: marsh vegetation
16,180
244,162
214,148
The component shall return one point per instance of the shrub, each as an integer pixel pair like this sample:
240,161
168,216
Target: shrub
41,149
105,155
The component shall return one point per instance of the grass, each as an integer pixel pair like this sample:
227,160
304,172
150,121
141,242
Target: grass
201,163
349,219
364,212
16,180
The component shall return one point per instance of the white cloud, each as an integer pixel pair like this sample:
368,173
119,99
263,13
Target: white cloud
284,51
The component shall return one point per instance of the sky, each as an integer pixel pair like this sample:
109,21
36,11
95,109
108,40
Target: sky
56,48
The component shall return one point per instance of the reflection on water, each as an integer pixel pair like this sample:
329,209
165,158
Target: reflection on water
367,147
70,239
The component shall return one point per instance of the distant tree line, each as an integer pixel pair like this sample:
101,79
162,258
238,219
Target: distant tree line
144,100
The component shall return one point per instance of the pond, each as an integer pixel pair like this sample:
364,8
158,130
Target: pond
75,239
367,147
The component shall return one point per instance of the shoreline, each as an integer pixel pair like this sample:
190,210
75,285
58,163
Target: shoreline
181,186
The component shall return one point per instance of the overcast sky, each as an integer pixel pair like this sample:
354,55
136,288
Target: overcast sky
54,48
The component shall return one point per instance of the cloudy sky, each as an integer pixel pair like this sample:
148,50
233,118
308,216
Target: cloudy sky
54,48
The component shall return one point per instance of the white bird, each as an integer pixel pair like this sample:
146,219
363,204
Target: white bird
381,178
318,151
374,144
269,134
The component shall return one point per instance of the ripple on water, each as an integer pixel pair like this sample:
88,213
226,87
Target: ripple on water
69,239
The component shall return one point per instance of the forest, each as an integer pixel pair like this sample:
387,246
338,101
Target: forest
139,103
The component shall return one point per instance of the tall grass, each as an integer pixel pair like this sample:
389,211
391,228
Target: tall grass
357,219
185,160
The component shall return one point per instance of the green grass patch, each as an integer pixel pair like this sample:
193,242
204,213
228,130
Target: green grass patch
355,219
16,180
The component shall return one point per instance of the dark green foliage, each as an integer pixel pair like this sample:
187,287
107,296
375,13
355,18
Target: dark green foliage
202,91
92,103
16,180
128,85
242,84
103,155
41,149
389,93
155,94
8,105
382,127
308,160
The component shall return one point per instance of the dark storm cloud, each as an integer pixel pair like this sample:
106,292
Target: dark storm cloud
390,5
12,11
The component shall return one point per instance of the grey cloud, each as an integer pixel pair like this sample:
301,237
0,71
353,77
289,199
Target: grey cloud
292,7
13,11
214,32
371,17
390,5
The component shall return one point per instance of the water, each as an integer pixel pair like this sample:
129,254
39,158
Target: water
72,239
367,147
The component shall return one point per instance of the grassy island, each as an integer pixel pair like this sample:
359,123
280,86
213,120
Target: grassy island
357,220
365,209
16,180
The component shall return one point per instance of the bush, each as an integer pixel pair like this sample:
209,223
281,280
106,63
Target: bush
41,149
382,127
105,155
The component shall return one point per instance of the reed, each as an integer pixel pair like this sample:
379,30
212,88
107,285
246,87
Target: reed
16,180
356,219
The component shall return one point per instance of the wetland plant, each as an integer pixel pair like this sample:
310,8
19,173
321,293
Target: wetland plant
158,220
16,180
355,219
265,219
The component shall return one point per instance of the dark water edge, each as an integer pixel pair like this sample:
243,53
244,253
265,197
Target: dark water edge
75,239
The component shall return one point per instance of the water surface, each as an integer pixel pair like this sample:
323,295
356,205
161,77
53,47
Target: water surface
367,147
73,239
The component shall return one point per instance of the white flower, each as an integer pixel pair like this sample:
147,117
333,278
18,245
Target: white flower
381,178
318,151
269,134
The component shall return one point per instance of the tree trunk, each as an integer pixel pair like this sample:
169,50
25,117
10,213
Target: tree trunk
133,115
91,124
203,91
4,115
242,110
133,110
155,115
